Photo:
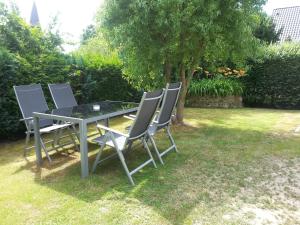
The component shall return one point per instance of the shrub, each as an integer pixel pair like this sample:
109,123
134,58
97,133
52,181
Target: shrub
16,70
99,81
97,73
274,80
89,83
216,87
29,55
9,76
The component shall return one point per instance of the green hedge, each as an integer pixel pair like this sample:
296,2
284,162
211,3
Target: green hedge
89,85
95,82
274,80
9,75
30,55
17,70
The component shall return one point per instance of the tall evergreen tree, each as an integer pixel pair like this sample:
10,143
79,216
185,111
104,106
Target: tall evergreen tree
266,30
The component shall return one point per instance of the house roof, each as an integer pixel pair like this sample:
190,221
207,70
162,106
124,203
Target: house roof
287,19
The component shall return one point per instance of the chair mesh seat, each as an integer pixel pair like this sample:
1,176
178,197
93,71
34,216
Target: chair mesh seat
62,95
120,140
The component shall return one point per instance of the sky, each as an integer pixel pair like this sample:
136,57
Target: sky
274,4
73,15
76,15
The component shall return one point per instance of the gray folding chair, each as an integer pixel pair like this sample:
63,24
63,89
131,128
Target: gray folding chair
138,131
63,97
31,99
164,117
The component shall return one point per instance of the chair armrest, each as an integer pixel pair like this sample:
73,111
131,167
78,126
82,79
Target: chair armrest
130,117
111,130
154,122
26,119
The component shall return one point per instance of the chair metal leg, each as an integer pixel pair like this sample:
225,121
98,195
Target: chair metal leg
122,159
98,157
129,146
106,122
156,149
98,129
149,153
45,150
73,139
26,143
75,131
60,134
55,139
171,138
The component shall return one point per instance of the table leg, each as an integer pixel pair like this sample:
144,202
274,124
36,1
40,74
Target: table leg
37,140
83,149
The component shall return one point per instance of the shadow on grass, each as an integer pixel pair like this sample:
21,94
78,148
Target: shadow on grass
211,166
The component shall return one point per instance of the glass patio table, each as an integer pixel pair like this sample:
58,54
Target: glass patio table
81,115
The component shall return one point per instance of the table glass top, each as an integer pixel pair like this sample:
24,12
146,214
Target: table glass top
96,109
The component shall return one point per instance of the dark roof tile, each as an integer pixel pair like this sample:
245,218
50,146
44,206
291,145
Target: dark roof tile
289,20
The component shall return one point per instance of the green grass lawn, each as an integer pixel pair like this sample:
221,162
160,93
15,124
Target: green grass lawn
239,166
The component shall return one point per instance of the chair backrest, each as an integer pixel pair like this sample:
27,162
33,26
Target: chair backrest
168,103
31,99
62,95
145,114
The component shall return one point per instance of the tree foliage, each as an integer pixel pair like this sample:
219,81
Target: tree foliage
96,51
164,40
97,71
32,55
266,30
88,33
27,55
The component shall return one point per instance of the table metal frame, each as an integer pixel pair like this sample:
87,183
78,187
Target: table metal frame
82,133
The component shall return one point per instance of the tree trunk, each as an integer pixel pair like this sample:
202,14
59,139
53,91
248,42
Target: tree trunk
181,99
186,75
185,78
168,71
